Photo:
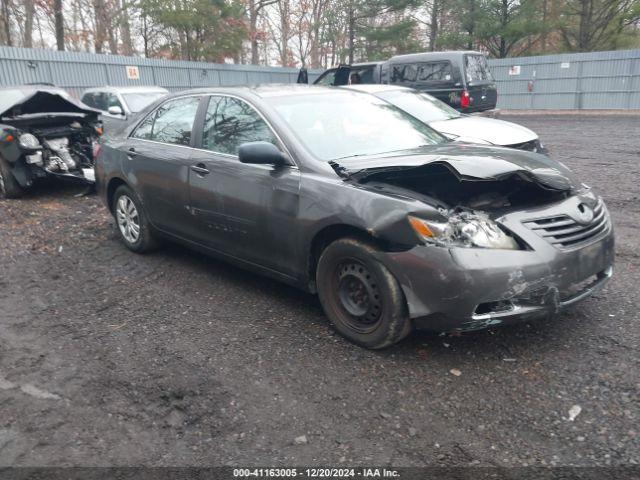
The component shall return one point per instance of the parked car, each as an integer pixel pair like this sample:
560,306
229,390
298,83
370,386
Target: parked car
340,193
44,133
453,124
120,103
461,79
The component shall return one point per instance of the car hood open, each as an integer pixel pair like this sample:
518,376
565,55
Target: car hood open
496,132
42,102
468,162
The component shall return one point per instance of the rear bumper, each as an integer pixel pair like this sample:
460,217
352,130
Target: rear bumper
463,289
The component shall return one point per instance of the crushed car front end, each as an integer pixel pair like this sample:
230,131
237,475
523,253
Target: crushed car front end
560,261
511,236
46,134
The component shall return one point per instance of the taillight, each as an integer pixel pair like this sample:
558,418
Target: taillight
465,99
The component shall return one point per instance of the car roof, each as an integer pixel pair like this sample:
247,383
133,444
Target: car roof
430,56
264,91
366,64
375,87
134,89
356,65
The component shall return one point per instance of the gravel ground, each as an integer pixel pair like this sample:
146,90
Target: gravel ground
112,358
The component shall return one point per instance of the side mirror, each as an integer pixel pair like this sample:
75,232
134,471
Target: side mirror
262,153
115,110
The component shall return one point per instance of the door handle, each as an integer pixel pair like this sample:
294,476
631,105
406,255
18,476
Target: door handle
200,169
131,153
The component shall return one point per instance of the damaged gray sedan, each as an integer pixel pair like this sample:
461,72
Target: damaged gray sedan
346,196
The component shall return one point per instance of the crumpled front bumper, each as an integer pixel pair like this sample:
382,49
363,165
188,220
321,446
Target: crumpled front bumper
465,289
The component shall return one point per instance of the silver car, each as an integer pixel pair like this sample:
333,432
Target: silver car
453,124
121,102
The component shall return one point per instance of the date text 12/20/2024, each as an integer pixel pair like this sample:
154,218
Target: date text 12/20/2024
316,472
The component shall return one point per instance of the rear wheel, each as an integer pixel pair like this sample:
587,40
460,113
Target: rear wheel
9,187
131,221
360,296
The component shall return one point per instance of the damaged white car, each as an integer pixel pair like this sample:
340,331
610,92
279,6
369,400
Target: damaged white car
44,133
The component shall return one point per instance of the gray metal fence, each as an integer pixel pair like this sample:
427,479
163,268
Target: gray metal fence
76,71
597,80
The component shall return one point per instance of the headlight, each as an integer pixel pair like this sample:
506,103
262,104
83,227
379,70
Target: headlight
464,229
29,142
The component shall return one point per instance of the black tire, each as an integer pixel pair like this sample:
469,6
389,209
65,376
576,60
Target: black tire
144,241
9,186
362,299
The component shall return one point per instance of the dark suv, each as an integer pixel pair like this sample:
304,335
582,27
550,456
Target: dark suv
461,79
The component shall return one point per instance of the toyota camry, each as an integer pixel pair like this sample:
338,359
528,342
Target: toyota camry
344,195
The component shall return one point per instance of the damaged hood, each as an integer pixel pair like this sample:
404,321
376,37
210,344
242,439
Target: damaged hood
467,162
45,103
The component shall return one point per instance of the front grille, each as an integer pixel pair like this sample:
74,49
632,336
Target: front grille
564,232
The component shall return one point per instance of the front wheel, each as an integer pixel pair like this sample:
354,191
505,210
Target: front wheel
362,299
131,221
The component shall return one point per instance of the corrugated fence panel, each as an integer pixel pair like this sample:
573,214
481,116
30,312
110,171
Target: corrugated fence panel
598,80
595,80
76,71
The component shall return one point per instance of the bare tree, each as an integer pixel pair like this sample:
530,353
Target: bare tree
125,28
6,8
99,11
254,9
59,23
29,11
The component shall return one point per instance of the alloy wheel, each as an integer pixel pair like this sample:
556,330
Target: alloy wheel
128,219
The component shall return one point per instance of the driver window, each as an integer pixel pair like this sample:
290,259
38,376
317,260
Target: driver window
230,122
112,101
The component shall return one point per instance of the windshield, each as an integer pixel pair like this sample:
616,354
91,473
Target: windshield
421,105
347,124
477,69
140,100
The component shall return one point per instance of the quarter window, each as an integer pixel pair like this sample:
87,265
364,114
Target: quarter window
434,72
229,123
172,122
404,73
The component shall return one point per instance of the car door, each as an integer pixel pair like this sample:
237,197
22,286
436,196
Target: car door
245,210
158,156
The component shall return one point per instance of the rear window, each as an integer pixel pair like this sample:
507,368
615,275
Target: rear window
138,101
476,68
